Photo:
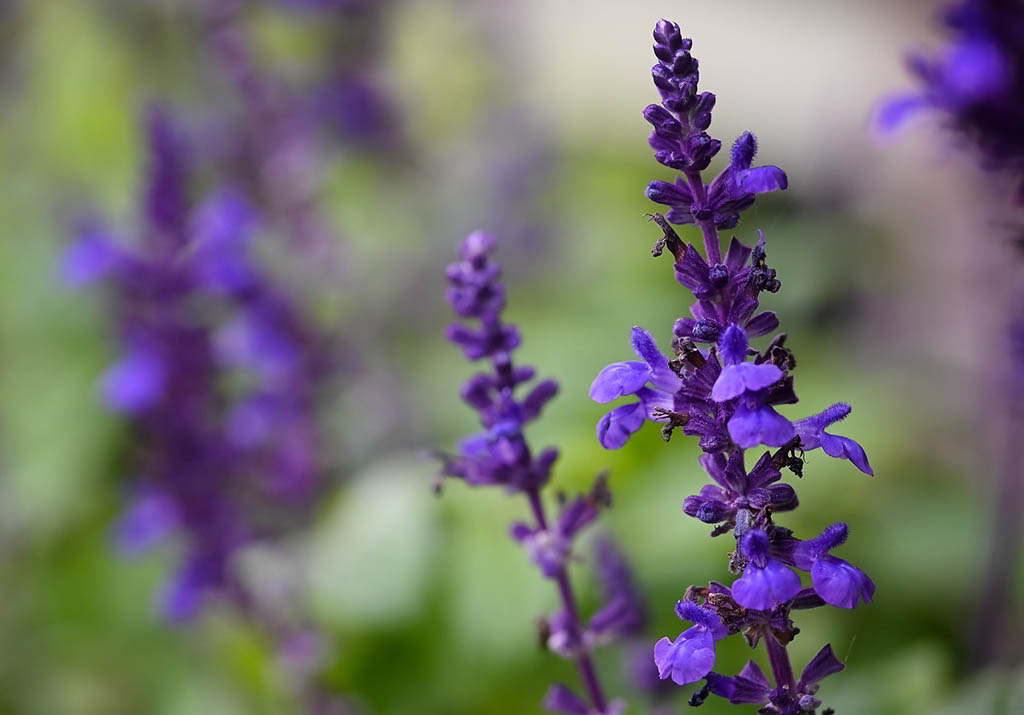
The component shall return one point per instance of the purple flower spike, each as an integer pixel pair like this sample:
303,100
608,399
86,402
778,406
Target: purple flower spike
813,435
501,455
766,582
835,580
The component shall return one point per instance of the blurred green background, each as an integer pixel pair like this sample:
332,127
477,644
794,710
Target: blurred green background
430,608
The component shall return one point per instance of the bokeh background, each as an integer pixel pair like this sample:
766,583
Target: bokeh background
522,118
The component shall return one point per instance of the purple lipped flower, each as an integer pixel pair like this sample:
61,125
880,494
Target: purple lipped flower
766,581
632,378
811,431
737,375
835,580
691,656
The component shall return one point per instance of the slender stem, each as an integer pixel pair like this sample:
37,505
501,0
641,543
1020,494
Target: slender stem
711,244
779,657
588,672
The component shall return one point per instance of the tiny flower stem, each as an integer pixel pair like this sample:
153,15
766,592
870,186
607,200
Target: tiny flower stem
779,657
711,246
588,672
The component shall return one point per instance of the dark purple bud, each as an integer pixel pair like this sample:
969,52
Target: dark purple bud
706,330
718,276
683,64
663,78
667,33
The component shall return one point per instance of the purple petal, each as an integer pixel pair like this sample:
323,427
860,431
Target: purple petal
149,518
733,345
88,258
839,583
647,349
761,179
896,110
538,397
763,425
617,426
821,666
846,448
750,686
692,270
744,377
762,324
618,379
762,588
687,660
737,256
134,382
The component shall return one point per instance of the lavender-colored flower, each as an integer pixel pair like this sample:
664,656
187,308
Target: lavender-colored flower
501,455
726,394
691,656
195,313
632,378
813,435
766,582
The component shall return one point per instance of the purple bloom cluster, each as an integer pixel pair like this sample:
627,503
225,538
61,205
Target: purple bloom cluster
721,390
218,376
500,455
976,82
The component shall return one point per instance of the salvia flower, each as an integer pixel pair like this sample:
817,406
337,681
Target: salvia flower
217,375
722,389
691,656
501,455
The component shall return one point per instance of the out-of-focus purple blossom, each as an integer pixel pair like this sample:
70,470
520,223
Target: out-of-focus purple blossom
217,376
721,389
975,83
